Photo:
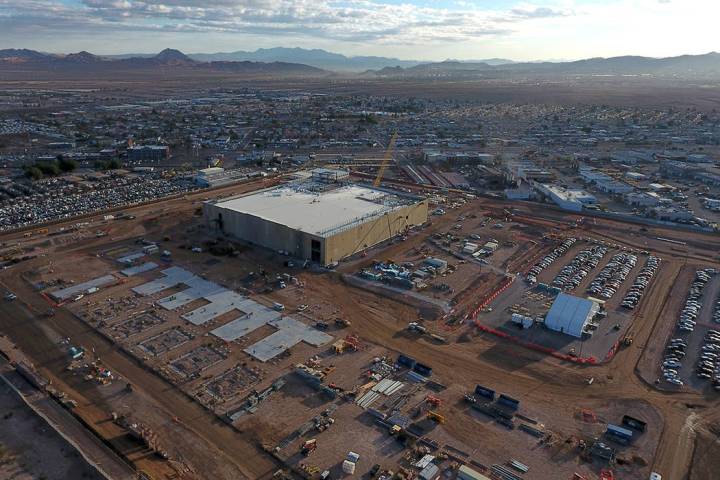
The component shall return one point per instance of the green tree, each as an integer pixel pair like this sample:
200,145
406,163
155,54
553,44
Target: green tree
66,164
33,172
48,168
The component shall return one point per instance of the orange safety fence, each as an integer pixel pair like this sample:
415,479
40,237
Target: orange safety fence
536,347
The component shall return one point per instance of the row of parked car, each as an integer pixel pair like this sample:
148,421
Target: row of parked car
574,272
607,282
677,347
672,363
708,364
693,304
716,312
635,292
57,199
548,259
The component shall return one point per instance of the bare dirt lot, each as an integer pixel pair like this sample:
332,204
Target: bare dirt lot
31,449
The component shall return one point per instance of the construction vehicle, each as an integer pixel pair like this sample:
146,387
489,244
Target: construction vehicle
342,323
350,342
436,417
416,327
386,160
627,340
607,475
433,400
309,469
309,447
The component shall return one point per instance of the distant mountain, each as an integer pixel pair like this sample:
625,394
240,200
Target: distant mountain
81,57
21,55
302,62
167,58
316,58
685,66
86,63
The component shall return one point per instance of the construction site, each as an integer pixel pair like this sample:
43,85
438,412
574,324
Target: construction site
435,350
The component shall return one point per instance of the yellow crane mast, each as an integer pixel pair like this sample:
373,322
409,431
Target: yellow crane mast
386,160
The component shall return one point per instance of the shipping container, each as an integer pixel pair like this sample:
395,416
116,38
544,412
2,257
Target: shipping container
508,402
619,434
634,423
422,369
485,392
406,361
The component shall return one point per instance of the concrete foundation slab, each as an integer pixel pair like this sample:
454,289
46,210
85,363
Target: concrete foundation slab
70,292
145,267
290,333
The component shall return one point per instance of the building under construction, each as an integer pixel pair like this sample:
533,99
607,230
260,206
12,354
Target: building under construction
324,218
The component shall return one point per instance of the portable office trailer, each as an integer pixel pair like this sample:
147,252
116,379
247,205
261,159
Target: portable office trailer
619,434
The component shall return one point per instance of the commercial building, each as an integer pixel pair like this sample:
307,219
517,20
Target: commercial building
526,171
322,219
570,314
217,176
642,199
572,200
604,182
148,153
633,157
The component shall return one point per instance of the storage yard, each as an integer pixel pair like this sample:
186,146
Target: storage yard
496,340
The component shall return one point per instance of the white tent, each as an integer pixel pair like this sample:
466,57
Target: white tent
570,314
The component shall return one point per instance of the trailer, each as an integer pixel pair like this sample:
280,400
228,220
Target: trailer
509,402
619,434
405,361
634,423
485,392
422,369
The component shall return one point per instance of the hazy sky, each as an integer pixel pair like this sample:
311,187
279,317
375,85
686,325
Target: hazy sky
413,29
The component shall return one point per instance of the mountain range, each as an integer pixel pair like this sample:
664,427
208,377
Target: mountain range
31,60
315,58
290,62
684,66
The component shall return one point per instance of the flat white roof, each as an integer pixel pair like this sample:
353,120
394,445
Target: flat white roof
318,213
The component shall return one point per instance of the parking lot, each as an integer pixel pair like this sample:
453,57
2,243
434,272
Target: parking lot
692,353
23,204
585,267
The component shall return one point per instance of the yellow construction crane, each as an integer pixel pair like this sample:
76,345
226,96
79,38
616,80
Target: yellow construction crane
386,160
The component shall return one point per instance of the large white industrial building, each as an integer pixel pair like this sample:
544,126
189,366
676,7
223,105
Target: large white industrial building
323,219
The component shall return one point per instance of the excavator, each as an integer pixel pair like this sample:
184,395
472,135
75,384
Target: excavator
386,160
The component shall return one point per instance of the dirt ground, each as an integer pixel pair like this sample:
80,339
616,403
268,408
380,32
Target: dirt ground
30,449
548,389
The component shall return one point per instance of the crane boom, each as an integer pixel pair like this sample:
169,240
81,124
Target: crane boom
386,160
